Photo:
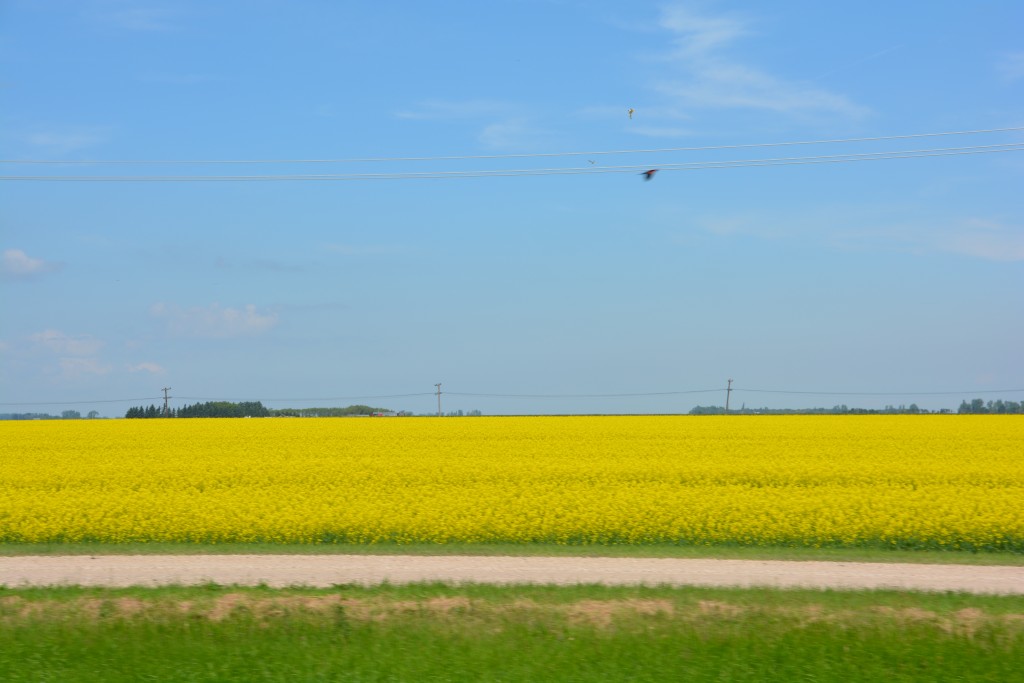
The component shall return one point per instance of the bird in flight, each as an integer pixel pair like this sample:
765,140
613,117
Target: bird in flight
630,112
592,162
649,174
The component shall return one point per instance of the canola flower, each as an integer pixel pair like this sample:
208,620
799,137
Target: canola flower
951,482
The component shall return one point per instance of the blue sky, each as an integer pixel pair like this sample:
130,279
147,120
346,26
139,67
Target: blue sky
878,282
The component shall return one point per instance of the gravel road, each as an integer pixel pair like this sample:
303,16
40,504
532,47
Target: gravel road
328,570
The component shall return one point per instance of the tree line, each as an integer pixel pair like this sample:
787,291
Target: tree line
976,406
250,409
979,407
65,415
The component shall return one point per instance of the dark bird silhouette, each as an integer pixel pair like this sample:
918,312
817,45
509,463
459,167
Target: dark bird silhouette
630,112
649,174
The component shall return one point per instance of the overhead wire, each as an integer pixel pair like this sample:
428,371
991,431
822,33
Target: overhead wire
630,395
307,400
526,172
467,157
648,394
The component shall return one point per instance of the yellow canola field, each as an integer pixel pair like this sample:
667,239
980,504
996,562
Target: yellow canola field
938,481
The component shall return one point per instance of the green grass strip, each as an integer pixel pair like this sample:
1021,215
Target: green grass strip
731,552
436,632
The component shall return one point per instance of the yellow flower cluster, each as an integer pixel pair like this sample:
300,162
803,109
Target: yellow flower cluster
936,481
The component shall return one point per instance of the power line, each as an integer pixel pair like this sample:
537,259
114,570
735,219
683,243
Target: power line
80,403
881,393
306,400
467,157
542,395
633,395
688,166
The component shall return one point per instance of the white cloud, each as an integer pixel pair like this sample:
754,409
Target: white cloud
65,345
699,36
15,264
713,79
214,321
151,368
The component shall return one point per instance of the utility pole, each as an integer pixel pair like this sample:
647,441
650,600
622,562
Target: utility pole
167,410
728,390
438,385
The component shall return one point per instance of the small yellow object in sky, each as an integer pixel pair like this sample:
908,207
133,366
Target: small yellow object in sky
630,112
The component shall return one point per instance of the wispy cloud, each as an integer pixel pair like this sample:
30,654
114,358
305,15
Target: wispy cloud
135,16
360,249
495,124
516,133
1011,66
984,239
711,77
701,37
65,140
455,110
67,345
74,368
178,79
856,62
215,321
151,368
268,265
662,131
15,264
887,229
76,355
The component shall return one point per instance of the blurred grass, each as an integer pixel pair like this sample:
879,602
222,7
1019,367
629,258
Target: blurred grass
436,632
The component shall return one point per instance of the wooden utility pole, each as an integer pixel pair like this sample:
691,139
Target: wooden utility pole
438,385
167,411
728,390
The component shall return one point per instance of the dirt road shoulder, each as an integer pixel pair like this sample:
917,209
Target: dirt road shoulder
328,570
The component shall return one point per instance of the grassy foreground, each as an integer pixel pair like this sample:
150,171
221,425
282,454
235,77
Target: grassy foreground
434,632
721,552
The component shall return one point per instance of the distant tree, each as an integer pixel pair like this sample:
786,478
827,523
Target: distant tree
93,414
352,410
707,410
71,415
223,409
